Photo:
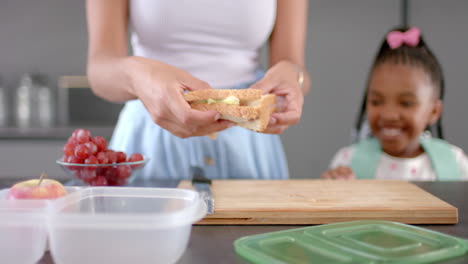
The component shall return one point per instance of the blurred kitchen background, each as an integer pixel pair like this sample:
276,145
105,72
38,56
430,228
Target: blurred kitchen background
43,41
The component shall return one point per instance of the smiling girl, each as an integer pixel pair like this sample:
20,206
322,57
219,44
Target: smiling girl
403,100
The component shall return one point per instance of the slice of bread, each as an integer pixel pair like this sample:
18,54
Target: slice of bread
253,113
265,108
243,94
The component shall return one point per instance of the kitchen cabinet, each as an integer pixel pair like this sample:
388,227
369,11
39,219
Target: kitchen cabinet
28,158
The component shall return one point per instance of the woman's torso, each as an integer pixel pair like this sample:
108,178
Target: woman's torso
216,41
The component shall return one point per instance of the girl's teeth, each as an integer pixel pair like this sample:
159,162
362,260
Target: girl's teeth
391,131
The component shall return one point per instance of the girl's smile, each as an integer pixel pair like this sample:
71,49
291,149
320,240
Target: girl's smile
389,133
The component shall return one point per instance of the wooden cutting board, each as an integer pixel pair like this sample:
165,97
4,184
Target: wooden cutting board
304,202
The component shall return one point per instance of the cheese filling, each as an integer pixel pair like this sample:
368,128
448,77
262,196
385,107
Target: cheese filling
230,100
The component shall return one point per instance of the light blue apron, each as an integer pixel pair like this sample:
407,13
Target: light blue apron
236,153
367,154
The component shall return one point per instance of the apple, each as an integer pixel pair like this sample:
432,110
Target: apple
36,189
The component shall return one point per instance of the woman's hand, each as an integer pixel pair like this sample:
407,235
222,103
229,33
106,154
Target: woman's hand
160,87
339,173
282,80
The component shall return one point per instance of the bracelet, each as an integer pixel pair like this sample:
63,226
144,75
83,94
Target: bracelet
300,75
300,79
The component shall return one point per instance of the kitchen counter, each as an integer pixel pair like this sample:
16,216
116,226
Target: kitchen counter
214,244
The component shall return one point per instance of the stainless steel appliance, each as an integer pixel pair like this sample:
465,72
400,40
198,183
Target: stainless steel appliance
78,105
34,102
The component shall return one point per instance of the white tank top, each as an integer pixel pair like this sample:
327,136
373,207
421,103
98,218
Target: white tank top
217,41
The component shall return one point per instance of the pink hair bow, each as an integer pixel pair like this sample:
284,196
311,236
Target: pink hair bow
397,38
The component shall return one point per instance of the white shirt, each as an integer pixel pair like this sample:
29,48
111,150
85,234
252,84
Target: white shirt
216,41
411,169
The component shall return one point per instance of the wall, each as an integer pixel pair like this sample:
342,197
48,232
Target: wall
445,27
342,39
50,36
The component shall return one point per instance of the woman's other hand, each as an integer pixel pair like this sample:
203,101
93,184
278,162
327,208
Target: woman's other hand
339,173
286,61
283,80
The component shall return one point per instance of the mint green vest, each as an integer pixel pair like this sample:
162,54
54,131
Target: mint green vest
367,154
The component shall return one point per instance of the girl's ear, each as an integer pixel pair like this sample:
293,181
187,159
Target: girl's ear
436,111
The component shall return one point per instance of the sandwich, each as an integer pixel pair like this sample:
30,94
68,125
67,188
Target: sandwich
247,108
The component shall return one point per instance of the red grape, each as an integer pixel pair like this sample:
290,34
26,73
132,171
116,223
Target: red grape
75,133
118,182
93,149
121,157
112,156
74,159
102,158
111,173
88,175
73,140
100,142
135,157
69,149
91,160
124,171
82,135
81,151
99,181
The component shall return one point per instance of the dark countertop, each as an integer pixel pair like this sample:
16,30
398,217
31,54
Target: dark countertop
214,244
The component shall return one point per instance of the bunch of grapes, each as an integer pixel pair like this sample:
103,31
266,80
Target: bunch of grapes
83,148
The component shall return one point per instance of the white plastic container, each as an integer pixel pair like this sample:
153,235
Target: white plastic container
23,229
122,225
23,233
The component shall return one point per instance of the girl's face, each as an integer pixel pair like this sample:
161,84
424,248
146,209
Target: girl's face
401,103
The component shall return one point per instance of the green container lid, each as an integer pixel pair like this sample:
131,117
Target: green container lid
362,242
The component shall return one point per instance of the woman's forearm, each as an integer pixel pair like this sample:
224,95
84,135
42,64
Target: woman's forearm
287,42
109,66
110,77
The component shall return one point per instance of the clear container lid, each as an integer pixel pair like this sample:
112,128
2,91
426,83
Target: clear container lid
26,211
351,242
127,208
